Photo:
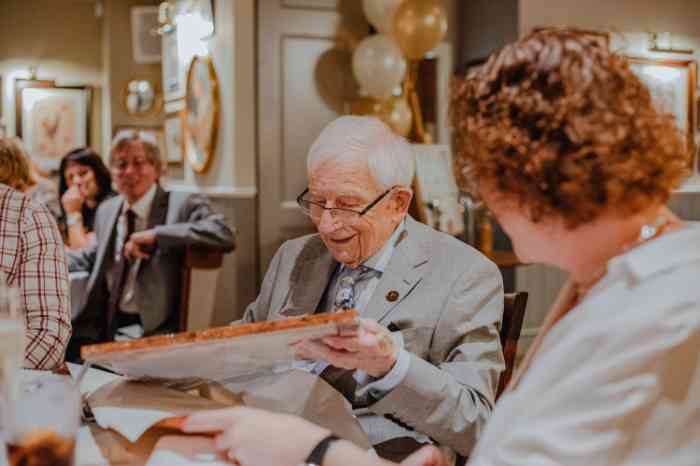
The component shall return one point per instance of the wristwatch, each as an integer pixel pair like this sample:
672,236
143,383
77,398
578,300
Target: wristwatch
315,458
74,218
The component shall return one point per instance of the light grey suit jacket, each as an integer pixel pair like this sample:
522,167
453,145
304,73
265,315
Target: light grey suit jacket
179,220
449,308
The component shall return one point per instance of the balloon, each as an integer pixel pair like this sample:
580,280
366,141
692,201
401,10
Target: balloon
380,13
398,115
378,65
419,26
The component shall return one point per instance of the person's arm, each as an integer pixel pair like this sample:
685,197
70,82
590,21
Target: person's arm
450,396
198,226
43,279
77,235
258,310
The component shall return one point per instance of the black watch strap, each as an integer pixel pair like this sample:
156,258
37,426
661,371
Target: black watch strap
319,451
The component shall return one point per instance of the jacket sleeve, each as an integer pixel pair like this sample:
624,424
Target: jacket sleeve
450,397
259,310
198,225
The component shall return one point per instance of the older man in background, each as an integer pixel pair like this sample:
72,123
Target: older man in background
136,264
32,258
426,361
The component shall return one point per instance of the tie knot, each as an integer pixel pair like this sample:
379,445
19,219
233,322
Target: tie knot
346,295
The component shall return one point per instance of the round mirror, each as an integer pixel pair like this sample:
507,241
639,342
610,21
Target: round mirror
140,97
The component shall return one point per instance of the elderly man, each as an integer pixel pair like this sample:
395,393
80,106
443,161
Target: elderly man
32,258
135,266
426,361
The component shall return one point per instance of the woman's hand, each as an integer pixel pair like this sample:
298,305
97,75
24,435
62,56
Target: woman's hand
426,456
253,437
72,200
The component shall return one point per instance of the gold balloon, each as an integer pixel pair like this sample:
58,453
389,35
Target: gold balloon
419,26
398,115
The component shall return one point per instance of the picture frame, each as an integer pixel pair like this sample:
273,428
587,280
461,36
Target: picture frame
601,37
173,70
174,134
436,195
673,86
149,133
201,113
51,119
145,44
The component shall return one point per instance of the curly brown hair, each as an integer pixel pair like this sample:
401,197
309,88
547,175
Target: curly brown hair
14,164
563,127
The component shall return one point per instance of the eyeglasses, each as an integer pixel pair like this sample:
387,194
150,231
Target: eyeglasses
121,165
347,216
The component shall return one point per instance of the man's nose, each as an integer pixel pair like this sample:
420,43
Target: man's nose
327,223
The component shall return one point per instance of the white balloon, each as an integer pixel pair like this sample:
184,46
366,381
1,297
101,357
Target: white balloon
380,13
378,65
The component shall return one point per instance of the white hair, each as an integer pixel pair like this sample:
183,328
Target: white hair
389,157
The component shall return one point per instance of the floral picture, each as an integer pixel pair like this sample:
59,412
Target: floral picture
52,120
174,138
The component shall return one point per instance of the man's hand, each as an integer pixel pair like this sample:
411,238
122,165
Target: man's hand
140,244
426,456
253,437
372,349
72,200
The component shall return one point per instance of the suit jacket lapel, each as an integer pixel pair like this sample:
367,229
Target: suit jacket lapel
403,273
159,209
110,233
312,271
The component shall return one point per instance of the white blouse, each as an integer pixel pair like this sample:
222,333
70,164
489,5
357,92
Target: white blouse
617,380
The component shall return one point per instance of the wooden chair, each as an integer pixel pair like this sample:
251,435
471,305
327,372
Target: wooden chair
513,316
199,279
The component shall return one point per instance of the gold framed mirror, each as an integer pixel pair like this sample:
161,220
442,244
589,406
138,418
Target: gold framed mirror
141,98
201,113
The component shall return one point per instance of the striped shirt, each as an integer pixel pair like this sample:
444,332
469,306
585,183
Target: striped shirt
32,259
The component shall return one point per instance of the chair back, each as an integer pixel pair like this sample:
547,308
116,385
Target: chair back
514,305
199,279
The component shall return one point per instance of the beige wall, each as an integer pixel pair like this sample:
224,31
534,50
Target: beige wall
231,178
66,50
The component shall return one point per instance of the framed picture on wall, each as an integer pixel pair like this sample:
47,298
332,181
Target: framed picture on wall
145,42
52,119
173,127
174,72
152,134
201,113
672,84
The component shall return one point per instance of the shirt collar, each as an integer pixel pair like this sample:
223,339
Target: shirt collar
381,258
142,207
669,251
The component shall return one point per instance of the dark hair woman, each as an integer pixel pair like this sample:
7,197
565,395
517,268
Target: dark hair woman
84,182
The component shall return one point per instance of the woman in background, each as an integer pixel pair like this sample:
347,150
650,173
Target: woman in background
564,145
34,184
84,182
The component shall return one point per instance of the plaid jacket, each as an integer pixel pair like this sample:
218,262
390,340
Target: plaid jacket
32,258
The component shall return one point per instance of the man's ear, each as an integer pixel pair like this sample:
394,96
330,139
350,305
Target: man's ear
402,198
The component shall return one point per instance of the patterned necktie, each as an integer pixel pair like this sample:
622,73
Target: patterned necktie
120,272
346,295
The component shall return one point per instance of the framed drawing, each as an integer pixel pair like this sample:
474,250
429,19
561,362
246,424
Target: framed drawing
52,119
174,137
672,84
601,37
174,72
145,43
201,113
152,134
435,189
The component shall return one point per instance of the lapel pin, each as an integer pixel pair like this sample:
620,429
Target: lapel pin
392,296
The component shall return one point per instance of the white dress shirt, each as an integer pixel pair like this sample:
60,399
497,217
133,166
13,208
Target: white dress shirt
617,380
142,209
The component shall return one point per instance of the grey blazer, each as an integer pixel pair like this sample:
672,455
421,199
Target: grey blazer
449,309
179,220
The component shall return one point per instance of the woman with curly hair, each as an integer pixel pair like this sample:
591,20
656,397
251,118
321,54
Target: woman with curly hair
562,142
83,183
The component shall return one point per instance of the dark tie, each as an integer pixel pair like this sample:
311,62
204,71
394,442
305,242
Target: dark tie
119,274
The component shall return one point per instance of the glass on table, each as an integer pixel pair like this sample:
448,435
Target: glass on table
40,424
12,333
